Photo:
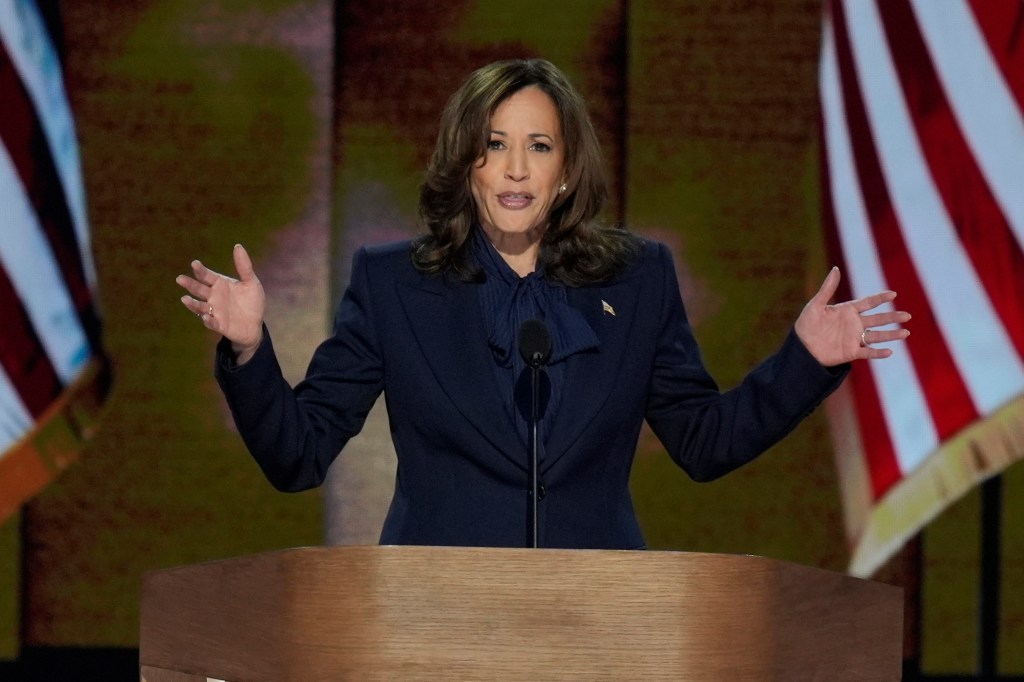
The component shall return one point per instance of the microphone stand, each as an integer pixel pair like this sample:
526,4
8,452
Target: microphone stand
535,347
535,362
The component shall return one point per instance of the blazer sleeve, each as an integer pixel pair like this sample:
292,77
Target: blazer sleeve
707,432
295,434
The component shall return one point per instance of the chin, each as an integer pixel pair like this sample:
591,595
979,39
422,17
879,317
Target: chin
518,227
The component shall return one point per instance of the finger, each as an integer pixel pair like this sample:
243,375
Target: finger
882,319
243,264
198,290
195,306
873,336
877,353
203,274
873,301
828,287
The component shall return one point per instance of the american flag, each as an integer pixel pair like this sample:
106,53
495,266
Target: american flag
52,368
923,193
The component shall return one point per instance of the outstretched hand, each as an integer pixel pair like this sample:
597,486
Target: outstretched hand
231,307
844,332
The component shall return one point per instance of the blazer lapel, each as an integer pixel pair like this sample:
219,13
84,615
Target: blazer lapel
445,318
589,377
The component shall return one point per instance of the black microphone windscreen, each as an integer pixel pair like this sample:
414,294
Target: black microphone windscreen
534,342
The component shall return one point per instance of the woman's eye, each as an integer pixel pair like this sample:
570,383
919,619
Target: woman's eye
540,147
495,144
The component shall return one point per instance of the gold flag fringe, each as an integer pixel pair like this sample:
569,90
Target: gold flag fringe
878,530
55,440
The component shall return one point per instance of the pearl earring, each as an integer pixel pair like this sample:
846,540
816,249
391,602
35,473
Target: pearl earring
562,188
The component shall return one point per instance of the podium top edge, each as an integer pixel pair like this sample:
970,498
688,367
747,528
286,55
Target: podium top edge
513,554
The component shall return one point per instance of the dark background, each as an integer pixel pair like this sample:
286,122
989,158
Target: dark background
301,129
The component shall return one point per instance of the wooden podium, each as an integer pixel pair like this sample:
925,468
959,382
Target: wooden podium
446,613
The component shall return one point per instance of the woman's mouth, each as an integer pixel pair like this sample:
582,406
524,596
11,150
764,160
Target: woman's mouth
515,200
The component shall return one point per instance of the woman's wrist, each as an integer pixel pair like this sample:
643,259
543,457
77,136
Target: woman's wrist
245,352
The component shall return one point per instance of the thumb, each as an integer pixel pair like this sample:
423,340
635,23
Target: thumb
828,287
243,264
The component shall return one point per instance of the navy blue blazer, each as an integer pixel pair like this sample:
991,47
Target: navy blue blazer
462,467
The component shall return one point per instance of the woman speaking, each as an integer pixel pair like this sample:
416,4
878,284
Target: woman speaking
509,207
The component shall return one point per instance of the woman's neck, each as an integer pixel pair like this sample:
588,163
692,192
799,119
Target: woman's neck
518,250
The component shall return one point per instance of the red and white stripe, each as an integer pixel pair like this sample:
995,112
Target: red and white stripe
923,150
50,328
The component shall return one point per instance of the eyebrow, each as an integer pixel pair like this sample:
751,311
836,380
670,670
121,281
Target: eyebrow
533,136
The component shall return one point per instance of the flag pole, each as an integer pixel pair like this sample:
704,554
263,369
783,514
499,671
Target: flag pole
991,554
911,566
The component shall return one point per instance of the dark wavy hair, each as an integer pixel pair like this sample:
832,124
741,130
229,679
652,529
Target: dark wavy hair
575,249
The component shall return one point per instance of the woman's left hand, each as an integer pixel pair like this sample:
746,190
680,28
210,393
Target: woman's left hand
843,332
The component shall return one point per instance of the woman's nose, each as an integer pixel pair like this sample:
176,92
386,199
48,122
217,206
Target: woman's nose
516,168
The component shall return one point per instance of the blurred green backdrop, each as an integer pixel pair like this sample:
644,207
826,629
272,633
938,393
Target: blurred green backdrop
300,129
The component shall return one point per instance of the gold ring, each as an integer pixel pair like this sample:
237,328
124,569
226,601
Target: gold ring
863,340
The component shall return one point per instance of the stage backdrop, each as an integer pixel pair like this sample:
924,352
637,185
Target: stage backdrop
300,129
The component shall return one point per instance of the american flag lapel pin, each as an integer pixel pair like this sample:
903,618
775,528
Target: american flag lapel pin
607,308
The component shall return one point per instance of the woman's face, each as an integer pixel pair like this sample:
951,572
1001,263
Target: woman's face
516,181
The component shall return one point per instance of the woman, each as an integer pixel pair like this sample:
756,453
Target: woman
509,203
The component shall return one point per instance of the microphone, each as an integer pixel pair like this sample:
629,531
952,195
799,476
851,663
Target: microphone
535,347
534,343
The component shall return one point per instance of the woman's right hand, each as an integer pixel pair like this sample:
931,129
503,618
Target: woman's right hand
231,307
